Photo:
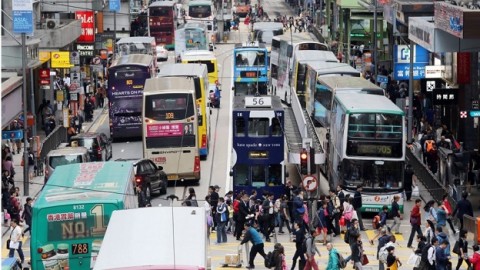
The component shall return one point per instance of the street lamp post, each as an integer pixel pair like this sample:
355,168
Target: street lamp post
410,96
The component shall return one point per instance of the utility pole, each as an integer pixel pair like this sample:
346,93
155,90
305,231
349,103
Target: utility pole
410,96
26,177
375,57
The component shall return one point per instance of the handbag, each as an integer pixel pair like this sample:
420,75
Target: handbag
413,220
414,260
7,246
365,259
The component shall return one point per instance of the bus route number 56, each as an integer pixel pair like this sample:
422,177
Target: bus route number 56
258,101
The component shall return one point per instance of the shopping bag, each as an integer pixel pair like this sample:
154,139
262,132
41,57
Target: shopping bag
414,260
415,192
364,260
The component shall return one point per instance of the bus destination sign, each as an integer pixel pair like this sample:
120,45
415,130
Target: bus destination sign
258,102
259,154
249,74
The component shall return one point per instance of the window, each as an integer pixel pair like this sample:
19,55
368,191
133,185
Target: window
373,175
240,127
274,71
210,65
375,126
258,127
160,11
64,160
243,89
169,106
275,175
276,128
199,11
258,175
250,58
240,178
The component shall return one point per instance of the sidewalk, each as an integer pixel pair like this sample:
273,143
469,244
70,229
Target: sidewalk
37,182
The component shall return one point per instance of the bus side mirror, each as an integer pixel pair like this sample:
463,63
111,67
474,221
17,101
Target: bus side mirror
231,172
327,136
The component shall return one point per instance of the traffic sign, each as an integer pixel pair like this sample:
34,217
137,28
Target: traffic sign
114,5
310,183
463,114
12,134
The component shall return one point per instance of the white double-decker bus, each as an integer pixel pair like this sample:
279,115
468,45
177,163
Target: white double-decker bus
170,126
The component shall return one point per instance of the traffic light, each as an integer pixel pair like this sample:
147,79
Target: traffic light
304,162
313,168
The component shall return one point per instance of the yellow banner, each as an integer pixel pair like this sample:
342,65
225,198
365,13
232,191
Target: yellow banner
44,56
60,60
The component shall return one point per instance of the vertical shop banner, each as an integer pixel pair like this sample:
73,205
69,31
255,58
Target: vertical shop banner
401,59
463,67
88,26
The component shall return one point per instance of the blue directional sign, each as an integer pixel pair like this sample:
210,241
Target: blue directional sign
12,134
22,21
114,5
382,79
401,60
474,113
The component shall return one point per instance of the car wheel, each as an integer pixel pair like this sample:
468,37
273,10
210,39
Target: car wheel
148,192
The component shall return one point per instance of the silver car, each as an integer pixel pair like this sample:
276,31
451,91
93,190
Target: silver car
64,156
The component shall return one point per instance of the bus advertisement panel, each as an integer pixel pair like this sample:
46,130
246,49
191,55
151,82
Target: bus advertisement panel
72,212
126,79
170,127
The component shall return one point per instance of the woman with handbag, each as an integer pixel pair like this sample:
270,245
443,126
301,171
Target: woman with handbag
348,211
358,257
393,263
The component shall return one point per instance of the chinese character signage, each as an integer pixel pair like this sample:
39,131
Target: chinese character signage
402,62
445,96
458,21
88,26
44,75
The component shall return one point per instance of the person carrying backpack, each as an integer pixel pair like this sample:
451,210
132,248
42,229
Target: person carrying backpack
460,248
335,260
279,262
310,250
427,259
382,241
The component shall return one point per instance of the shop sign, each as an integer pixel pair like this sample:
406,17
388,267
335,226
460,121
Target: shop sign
43,56
75,58
85,50
434,72
442,96
449,18
402,62
60,60
463,68
88,26
422,32
44,76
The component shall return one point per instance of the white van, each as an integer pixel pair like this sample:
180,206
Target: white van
64,156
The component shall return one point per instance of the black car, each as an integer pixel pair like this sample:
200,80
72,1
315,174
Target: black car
98,144
151,178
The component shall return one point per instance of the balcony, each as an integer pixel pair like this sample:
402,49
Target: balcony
58,34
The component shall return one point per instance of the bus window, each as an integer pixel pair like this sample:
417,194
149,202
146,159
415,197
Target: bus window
275,175
258,127
240,127
210,65
241,175
168,107
258,176
276,128
250,58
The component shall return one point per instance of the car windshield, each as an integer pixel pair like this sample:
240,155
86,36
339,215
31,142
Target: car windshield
88,143
64,160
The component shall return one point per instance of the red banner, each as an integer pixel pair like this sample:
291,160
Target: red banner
44,76
463,68
88,26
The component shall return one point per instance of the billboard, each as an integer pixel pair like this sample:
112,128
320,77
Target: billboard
401,59
88,26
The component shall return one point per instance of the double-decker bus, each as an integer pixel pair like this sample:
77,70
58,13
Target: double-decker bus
258,144
284,49
136,45
203,57
263,32
367,146
71,214
324,88
203,11
126,79
250,70
192,36
170,126
200,76
162,22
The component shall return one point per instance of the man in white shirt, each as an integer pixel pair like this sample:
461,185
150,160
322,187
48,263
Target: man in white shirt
16,241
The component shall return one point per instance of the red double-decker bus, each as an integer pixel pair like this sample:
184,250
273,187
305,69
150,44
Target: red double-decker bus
162,22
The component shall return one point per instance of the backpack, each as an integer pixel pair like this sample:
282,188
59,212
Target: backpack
304,244
424,256
346,237
430,146
30,160
383,253
270,260
376,222
341,261
456,248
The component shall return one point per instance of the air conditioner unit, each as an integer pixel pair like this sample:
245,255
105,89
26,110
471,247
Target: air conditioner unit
52,23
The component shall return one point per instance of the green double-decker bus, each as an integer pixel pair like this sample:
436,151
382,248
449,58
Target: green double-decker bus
72,212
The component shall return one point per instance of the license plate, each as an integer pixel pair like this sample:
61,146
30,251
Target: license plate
172,177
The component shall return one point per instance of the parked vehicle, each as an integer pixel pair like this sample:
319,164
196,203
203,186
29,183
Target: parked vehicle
98,144
65,156
151,178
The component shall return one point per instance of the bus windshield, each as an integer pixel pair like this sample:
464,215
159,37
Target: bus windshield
372,174
169,107
199,11
247,89
314,46
161,12
266,36
250,58
64,160
375,126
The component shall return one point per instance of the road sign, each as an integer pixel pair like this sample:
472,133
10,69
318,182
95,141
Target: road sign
382,79
430,86
12,134
463,114
114,5
310,183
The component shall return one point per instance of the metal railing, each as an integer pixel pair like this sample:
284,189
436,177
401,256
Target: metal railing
52,141
471,226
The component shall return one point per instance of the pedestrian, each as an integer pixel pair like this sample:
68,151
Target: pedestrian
442,237
348,210
208,215
267,217
333,260
213,202
191,200
243,213
231,222
357,205
16,241
460,248
382,241
393,263
396,214
299,252
311,251
422,242
337,211
357,253
442,217
415,221
408,181
222,219
299,210
442,259
475,259
463,207
449,210
255,238
279,257
284,215
427,259
430,214
322,222
27,215
31,164
429,232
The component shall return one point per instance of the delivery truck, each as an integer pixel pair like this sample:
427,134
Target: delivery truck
155,238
